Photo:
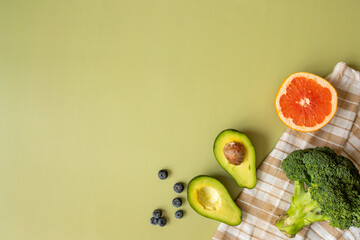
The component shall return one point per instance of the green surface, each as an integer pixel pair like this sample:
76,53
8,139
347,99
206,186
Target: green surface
97,96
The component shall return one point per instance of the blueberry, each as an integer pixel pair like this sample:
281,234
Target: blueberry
179,214
154,221
163,174
162,221
178,187
176,202
157,213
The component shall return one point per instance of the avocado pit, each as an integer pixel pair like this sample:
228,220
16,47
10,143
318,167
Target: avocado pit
234,152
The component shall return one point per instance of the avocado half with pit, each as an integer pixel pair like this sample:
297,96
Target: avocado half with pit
235,153
208,197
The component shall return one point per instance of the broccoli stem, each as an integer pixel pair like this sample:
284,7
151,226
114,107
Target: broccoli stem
302,211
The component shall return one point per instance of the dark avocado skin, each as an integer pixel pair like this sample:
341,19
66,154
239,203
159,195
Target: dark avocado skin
245,173
230,207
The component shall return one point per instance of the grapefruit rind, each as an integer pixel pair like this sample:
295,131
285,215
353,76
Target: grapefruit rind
289,121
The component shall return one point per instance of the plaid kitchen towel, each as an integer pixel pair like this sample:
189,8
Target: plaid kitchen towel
270,198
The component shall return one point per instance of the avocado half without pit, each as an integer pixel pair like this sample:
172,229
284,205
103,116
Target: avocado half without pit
235,153
208,197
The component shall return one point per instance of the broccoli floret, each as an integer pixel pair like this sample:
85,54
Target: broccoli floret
333,191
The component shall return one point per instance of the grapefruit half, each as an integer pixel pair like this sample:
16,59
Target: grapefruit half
306,102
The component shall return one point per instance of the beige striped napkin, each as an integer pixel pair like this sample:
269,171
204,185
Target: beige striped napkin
262,205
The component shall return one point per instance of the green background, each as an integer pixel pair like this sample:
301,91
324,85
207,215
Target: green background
96,96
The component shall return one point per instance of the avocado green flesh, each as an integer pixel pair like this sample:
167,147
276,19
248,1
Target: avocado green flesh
208,197
245,173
